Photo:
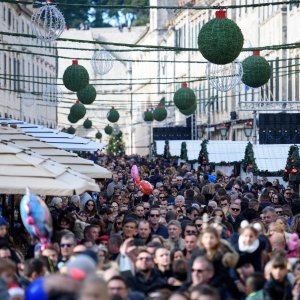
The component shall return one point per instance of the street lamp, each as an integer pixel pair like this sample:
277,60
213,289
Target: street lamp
248,129
223,130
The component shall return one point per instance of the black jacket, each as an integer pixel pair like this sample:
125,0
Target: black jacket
141,284
276,290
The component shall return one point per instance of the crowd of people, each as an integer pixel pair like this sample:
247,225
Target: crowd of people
197,236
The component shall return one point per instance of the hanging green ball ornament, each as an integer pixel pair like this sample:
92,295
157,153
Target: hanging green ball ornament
148,116
98,135
113,115
87,124
184,97
189,111
72,119
71,130
108,129
257,70
160,113
87,95
220,40
75,77
77,110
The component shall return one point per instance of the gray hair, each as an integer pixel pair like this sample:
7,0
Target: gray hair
55,201
203,259
175,223
180,197
269,209
75,198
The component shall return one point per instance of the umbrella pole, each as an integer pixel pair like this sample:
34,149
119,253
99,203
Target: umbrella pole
11,201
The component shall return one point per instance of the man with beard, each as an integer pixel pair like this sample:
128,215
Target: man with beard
146,277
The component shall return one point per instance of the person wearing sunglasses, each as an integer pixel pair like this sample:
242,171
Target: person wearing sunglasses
156,227
67,244
234,216
202,271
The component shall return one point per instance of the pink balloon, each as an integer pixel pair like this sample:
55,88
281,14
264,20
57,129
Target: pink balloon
134,172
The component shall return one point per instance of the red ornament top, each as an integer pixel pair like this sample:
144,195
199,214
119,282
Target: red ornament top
77,102
74,62
221,14
184,85
112,107
256,52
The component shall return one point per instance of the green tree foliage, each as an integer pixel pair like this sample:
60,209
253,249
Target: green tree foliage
293,165
76,15
116,145
248,163
289,164
167,153
203,154
183,151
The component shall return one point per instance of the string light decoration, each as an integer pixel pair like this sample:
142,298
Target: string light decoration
47,23
116,130
102,62
28,99
224,77
52,94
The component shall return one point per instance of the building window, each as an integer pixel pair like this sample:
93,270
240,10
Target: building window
23,27
4,13
290,81
9,72
9,17
277,79
4,69
15,74
297,78
272,83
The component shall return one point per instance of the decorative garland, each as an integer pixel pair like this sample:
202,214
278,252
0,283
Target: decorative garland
167,48
183,151
172,7
291,171
203,154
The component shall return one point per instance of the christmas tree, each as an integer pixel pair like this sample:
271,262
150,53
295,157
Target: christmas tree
203,154
183,152
289,163
249,164
167,153
116,145
293,165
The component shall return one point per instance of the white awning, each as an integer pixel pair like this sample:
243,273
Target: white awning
56,138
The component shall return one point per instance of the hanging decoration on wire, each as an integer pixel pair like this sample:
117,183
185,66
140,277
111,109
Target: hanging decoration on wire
224,77
28,99
220,40
102,62
52,94
47,23
257,70
116,130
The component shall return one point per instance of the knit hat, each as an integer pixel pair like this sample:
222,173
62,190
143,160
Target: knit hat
293,242
2,221
84,198
81,266
15,290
